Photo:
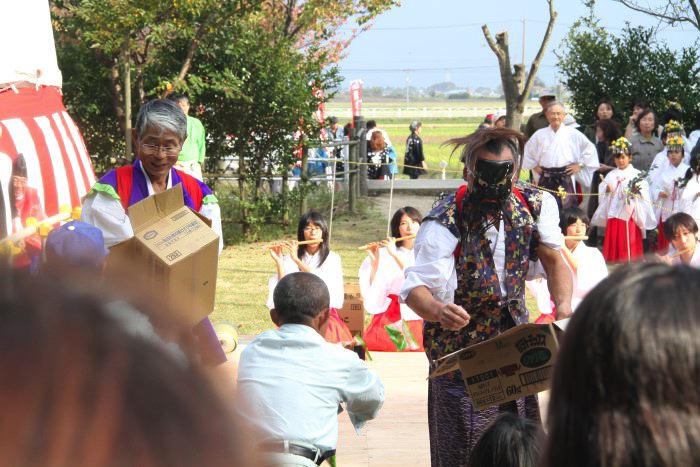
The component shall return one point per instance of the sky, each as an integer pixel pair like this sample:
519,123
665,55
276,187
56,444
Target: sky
441,40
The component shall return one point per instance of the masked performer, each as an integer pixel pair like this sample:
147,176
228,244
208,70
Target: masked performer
473,252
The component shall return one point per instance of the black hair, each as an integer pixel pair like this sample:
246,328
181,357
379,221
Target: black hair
179,97
624,386
313,217
371,124
639,102
411,212
643,114
672,113
511,441
570,216
604,100
299,297
679,219
610,128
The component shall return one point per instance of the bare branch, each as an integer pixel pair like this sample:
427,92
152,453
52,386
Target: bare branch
696,12
663,15
491,42
540,53
191,50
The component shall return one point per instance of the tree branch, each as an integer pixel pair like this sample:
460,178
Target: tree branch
491,42
191,50
671,19
540,53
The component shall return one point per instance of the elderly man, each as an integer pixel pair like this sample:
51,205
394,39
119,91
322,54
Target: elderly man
537,120
561,157
161,129
473,252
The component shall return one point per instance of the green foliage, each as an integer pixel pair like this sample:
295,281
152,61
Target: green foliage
596,64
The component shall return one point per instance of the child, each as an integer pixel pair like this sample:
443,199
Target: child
291,383
381,279
624,208
511,441
690,202
317,259
665,190
682,231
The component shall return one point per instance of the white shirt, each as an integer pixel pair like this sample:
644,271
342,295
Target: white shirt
690,203
547,148
666,181
661,163
388,279
619,205
331,272
291,382
435,245
108,215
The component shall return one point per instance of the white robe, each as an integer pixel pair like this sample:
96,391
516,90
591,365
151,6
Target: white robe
694,260
667,181
591,269
331,272
661,163
108,215
388,279
618,204
567,146
690,201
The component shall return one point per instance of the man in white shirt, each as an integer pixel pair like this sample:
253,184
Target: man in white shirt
291,382
561,157
473,252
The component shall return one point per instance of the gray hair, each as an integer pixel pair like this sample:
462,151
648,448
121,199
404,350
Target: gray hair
554,103
161,115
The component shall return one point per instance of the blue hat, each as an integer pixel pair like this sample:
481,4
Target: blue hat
77,243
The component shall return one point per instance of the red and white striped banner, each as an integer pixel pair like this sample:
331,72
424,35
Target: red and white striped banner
34,122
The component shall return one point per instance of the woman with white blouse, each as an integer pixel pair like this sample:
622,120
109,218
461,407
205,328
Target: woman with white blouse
381,278
317,259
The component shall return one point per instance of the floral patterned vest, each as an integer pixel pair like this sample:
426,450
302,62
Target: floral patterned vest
478,290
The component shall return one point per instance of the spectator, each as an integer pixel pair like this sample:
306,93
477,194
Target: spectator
538,120
488,121
414,160
291,382
690,199
511,441
79,390
337,134
604,110
561,157
194,148
378,158
499,121
624,389
632,128
645,144
76,244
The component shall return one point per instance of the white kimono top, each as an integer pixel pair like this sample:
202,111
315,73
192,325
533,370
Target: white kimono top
567,146
667,181
388,279
331,271
619,205
690,201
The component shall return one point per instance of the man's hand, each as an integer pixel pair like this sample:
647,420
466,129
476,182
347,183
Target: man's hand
452,317
573,169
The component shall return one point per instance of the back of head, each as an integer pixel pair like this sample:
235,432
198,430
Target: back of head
80,390
511,441
76,243
371,124
299,297
161,115
376,142
624,389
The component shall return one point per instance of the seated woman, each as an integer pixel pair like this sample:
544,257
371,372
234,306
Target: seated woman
682,231
318,259
624,386
24,204
381,279
161,128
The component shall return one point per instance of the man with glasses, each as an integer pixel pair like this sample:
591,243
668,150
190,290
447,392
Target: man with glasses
160,130
562,159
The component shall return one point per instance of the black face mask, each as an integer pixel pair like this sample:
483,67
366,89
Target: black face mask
492,185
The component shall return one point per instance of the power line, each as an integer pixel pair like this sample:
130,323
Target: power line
413,70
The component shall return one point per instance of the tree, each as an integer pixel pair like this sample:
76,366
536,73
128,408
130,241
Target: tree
516,87
595,64
672,12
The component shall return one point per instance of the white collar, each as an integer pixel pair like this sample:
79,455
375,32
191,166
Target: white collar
149,185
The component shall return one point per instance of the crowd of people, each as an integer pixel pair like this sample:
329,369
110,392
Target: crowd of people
102,373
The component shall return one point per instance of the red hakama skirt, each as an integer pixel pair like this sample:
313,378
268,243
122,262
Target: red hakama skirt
376,336
615,245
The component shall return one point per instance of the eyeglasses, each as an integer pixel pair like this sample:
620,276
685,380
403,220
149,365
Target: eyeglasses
151,149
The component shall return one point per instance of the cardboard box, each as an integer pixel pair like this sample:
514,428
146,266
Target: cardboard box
509,366
176,251
353,311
